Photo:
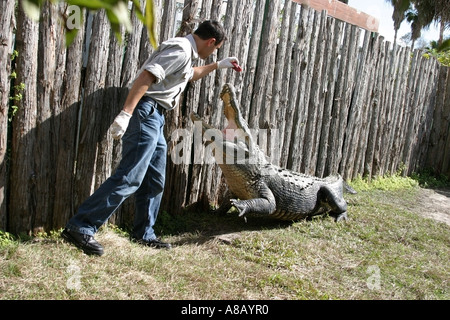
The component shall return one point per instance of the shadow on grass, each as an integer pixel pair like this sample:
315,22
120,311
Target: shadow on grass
200,227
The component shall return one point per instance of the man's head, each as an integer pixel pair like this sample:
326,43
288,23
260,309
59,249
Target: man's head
209,35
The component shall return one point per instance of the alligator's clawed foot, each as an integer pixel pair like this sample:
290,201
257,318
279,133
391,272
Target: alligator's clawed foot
338,217
240,206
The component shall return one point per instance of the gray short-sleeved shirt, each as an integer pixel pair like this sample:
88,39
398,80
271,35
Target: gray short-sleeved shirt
171,64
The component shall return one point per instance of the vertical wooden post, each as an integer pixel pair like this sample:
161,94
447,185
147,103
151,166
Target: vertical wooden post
23,193
67,132
7,22
91,113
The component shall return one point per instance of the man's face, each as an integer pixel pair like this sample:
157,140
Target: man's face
209,48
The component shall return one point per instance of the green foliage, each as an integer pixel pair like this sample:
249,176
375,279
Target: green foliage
17,89
440,52
116,11
6,239
116,229
427,178
387,183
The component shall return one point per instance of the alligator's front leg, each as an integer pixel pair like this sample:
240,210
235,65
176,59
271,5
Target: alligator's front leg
263,205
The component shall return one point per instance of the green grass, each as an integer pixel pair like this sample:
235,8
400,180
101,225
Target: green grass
384,251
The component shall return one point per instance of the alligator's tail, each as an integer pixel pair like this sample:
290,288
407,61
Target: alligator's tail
349,189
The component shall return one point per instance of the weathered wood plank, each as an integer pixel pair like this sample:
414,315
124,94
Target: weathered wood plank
131,59
381,116
353,128
445,168
366,117
374,105
283,103
246,8
396,109
400,102
251,64
441,120
349,86
427,122
51,36
261,96
414,88
338,104
167,29
23,193
300,52
7,22
307,77
70,98
282,64
146,49
344,12
333,62
91,113
391,110
424,101
315,104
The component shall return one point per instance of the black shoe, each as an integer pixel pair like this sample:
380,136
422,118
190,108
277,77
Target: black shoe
155,243
83,241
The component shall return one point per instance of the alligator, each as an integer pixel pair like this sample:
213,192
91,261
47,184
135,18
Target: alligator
259,187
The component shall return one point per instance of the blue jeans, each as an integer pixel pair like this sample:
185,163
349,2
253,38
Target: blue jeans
141,172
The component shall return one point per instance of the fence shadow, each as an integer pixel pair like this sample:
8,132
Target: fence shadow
200,227
56,164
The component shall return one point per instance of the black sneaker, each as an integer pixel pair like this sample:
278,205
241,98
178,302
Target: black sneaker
83,241
155,243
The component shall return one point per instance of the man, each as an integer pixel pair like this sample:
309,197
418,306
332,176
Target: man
157,89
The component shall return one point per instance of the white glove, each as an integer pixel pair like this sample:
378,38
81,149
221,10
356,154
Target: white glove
227,62
120,124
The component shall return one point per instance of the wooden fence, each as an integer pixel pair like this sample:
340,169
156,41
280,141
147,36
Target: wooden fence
328,96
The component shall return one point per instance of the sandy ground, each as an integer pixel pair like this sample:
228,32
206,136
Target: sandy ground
433,203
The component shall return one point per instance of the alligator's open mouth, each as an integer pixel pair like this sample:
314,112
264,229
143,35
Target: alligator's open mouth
236,127
236,142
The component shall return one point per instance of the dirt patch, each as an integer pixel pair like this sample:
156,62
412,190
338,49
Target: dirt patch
433,203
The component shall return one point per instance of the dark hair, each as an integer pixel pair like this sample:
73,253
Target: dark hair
211,29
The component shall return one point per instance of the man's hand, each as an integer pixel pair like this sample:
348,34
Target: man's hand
227,63
120,124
